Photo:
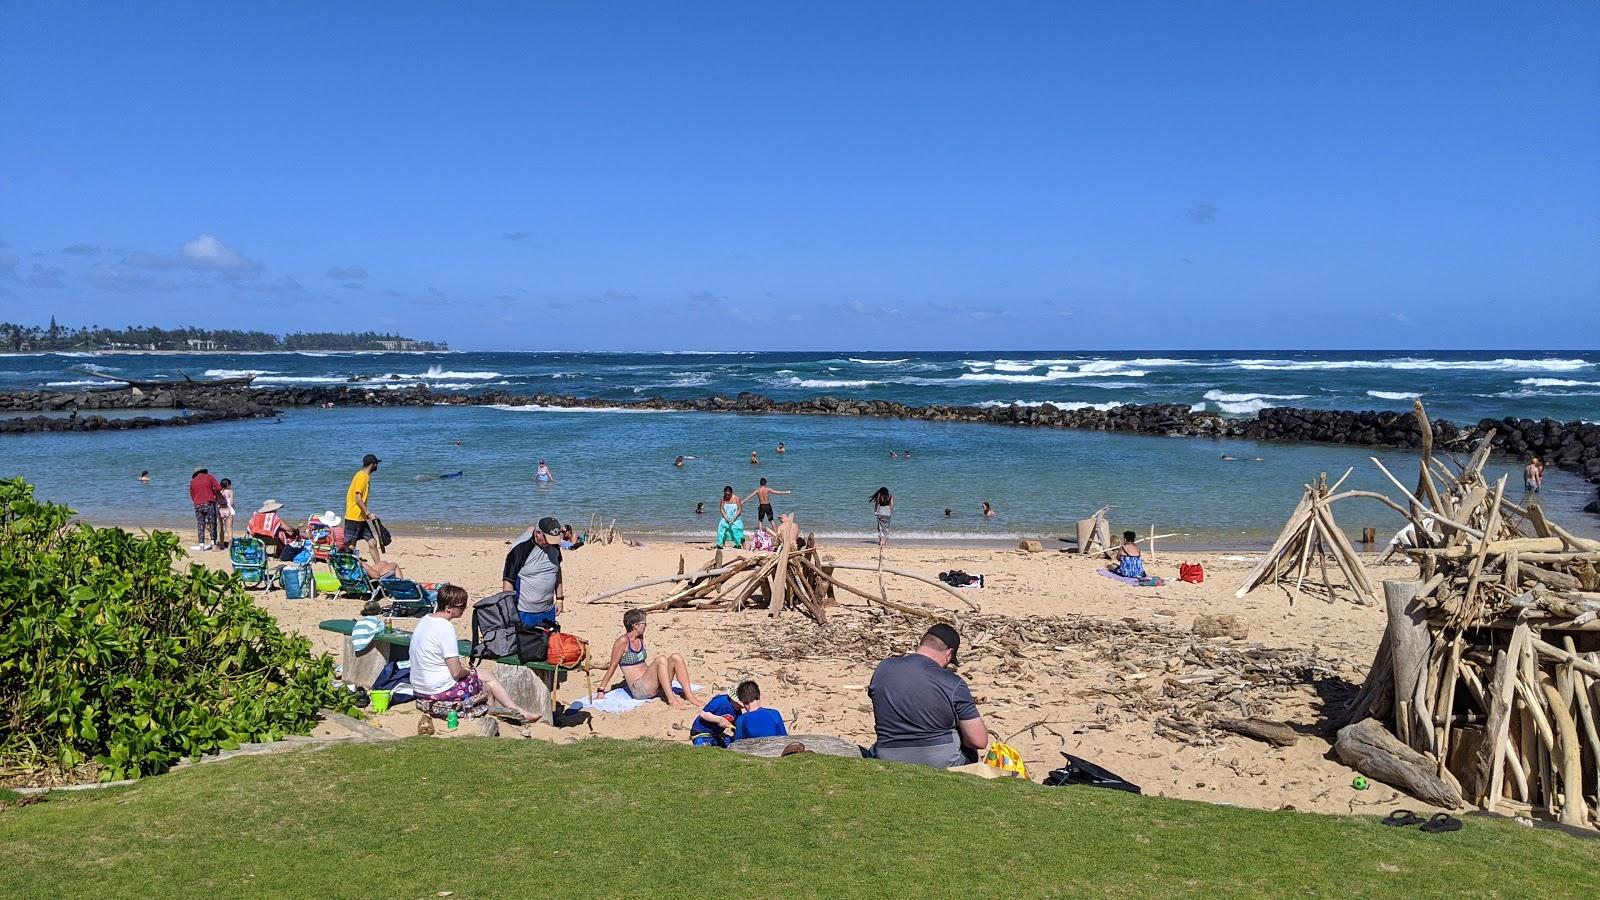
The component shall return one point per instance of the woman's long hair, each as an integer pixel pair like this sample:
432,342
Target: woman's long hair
882,498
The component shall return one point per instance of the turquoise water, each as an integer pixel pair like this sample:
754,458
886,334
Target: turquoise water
619,464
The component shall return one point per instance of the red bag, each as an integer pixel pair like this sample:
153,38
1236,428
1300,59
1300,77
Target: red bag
566,650
1194,573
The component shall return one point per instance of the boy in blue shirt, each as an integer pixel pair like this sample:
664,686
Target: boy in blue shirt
714,727
756,720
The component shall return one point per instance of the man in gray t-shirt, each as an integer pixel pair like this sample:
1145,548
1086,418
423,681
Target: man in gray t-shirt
533,570
923,712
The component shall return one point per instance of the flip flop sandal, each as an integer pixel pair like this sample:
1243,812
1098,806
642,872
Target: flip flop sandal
1441,822
1402,818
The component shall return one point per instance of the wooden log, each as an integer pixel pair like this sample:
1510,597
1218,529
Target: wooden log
1370,749
1518,776
1347,557
884,601
1445,701
1275,733
1544,648
780,581
1485,777
1376,696
1409,641
1585,709
911,575
650,582
1506,545
1569,757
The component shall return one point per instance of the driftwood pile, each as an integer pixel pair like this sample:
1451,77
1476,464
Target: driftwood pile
1485,687
790,579
1190,688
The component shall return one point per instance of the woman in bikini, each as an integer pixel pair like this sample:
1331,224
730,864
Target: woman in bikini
646,678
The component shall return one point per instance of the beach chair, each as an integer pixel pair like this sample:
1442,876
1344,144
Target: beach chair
249,558
407,597
325,539
353,580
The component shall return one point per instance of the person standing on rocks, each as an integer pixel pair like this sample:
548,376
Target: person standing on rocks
203,493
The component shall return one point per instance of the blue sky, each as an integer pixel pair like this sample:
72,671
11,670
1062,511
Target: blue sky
797,176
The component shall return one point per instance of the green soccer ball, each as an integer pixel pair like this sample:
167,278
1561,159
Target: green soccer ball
1360,782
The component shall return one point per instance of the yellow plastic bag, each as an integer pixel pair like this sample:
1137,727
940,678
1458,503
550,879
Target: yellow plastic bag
1006,758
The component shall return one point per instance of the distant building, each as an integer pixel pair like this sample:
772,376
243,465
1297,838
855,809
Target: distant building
405,345
199,344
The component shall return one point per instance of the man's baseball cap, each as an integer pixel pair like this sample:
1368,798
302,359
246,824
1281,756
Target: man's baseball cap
948,636
369,460
551,527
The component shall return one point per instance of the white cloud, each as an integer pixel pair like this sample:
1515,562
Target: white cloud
205,253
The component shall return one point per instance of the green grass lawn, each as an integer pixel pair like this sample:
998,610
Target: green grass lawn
497,818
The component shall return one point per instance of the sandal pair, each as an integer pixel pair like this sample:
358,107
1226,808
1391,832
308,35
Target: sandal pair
1440,822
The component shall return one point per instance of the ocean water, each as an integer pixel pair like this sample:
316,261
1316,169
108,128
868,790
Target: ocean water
620,465
1459,385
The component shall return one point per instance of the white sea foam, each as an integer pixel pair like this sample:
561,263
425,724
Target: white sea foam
1526,393
829,382
75,383
1051,374
1393,395
1223,397
237,373
436,372
689,379
301,379
1007,365
506,407
1234,407
1414,364
879,362
1067,405
1557,382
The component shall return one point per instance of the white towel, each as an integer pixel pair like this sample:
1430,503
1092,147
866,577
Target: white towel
619,701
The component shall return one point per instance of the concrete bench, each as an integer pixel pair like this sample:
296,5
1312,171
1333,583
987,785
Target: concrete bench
532,685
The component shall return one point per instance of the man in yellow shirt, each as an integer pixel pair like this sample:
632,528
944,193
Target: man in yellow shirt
357,515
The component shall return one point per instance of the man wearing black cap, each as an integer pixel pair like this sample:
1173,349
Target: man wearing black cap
357,517
533,571
924,712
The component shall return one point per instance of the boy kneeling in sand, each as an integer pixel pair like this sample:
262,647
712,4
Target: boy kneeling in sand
727,719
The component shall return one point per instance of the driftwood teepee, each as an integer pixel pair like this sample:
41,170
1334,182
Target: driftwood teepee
790,579
1312,533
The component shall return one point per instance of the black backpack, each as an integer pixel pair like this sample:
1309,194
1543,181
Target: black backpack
494,626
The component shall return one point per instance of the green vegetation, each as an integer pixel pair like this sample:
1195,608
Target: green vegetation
34,338
483,817
113,664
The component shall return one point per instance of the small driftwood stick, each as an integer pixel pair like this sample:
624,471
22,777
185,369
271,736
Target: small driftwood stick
652,582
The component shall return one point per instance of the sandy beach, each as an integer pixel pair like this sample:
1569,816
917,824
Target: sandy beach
1088,687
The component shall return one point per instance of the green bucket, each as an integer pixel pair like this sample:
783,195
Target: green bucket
380,701
327,582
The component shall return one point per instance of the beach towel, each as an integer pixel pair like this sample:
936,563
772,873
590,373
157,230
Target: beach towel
362,633
1148,581
619,701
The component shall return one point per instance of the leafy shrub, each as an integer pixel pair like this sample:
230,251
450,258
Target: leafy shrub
113,661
